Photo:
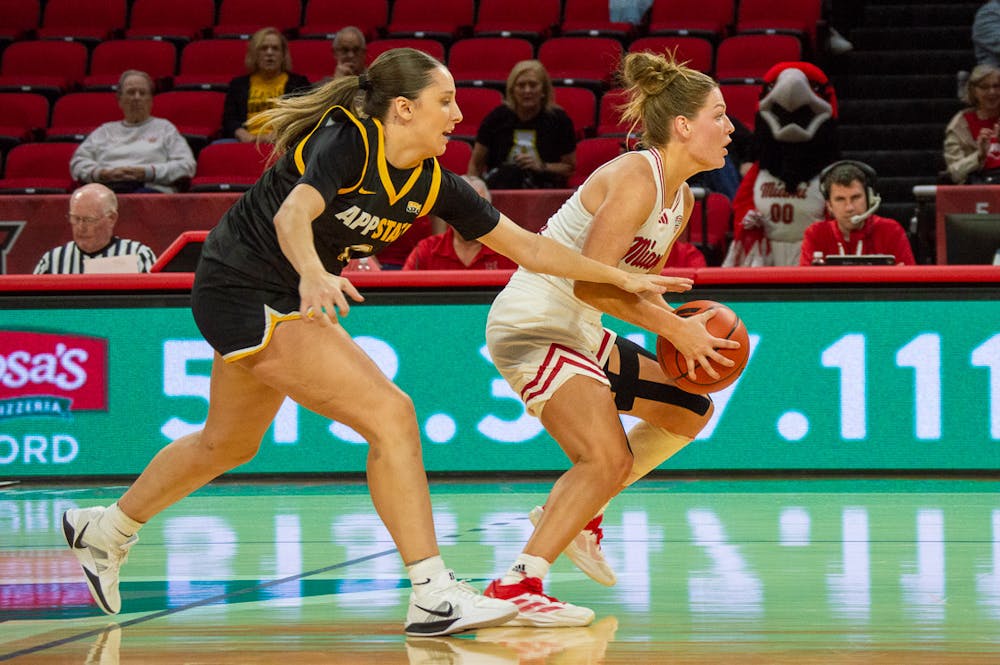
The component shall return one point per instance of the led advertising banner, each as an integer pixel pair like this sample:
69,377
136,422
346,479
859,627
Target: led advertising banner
830,385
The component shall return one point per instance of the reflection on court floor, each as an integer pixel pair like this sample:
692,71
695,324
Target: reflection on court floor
709,572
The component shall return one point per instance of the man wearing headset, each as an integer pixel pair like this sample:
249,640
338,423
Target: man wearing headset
852,229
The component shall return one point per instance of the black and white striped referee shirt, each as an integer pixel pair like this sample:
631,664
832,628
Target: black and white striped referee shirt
68,259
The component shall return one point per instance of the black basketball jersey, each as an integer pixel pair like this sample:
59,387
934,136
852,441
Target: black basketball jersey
369,202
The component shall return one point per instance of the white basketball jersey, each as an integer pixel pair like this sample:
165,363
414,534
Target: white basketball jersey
571,224
787,214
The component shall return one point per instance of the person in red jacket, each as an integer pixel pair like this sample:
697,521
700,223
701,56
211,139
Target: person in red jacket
450,251
849,190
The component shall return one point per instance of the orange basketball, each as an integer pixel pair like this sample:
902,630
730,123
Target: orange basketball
725,324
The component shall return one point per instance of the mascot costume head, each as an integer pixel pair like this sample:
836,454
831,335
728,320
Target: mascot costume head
796,138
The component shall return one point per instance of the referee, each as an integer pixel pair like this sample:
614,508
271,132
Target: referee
93,212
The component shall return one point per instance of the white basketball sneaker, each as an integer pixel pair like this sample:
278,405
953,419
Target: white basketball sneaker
585,550
537,609
443,605
99,558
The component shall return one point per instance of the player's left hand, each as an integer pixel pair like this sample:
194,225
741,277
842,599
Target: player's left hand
324,295
646,283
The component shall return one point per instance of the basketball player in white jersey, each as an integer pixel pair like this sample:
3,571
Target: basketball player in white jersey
546,337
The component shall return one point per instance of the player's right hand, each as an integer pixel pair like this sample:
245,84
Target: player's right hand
700,347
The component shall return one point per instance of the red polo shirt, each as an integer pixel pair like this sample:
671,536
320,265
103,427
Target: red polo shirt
438,253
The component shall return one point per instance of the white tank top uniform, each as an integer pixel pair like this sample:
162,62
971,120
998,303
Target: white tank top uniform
538,333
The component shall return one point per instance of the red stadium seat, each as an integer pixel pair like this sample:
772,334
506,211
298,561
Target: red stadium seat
77,114
795,17
177,20
46,67
712,221
242,18
229,167
609,121
529,19
590,154
592,18
313,58
324,18
38,168
91,22
23,118
110,59
20,19
446,20
456,156
741,102
487,60
197,114
431,47
705,18
210,64
746,58
475,103
580,105
587,61
696,51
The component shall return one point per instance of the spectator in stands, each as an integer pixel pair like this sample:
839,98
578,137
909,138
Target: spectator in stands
986,34
93,212
852,229
268,77
971,147
350,50
139,153
450,251
527,141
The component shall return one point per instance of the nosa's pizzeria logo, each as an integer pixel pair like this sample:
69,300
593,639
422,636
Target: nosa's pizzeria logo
48,374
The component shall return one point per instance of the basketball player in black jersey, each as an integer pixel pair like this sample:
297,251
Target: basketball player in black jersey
356,166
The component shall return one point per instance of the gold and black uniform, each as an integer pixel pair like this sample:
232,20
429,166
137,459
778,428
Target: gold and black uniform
244,283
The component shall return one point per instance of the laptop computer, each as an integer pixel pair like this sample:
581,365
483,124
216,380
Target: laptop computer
860,259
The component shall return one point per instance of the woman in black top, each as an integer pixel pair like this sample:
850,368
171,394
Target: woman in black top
527,141
267,295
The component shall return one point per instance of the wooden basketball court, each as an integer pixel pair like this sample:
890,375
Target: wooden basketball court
711,571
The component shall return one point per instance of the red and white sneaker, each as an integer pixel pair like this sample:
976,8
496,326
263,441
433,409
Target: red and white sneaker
585,550
535,608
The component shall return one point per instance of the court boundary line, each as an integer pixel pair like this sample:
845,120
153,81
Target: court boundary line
198,603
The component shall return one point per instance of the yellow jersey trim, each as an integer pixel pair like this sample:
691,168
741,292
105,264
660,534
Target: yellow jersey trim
274,317
300,163
432,192
383,169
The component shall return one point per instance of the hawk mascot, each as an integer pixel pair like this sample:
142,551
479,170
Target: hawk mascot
796,137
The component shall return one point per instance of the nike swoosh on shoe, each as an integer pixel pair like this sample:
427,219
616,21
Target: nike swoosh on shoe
438,613
78,541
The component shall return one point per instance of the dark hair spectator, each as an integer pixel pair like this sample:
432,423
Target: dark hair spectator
851,227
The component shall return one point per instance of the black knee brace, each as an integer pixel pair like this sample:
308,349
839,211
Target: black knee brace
627,385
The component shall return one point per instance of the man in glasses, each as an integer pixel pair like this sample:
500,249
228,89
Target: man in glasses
350,50
93,212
